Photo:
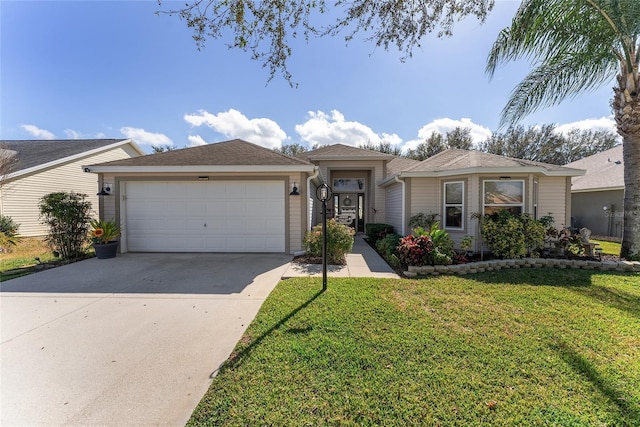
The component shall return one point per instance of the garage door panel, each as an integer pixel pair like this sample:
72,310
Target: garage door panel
240,216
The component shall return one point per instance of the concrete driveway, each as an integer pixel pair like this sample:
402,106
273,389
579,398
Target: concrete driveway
133,340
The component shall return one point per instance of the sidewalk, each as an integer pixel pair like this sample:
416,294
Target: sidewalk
363,261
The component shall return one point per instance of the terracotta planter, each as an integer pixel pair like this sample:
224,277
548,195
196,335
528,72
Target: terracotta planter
106,250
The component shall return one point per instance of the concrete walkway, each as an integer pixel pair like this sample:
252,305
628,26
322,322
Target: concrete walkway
363,261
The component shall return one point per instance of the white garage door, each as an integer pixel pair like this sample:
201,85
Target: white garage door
211,216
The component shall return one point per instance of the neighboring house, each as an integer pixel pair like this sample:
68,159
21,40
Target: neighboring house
46,166
235,196
597,198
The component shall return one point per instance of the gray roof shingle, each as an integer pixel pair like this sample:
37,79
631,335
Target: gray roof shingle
33,153
342,152
455,158
228,153
604,170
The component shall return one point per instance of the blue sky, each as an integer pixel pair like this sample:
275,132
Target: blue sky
114,69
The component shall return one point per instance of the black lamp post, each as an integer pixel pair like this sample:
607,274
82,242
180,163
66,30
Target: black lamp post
323,193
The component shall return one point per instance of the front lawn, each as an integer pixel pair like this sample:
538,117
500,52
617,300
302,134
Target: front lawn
23,257
515,347
609,248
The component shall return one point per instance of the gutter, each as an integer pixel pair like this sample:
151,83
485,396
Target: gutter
316,172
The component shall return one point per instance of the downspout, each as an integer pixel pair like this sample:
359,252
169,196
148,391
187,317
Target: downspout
401,181
316,172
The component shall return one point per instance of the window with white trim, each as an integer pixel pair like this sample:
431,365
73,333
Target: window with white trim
454,205
503,195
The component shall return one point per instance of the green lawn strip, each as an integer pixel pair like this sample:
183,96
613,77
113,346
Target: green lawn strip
609,248
530,346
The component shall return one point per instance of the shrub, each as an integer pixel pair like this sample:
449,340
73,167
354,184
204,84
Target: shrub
513,236
8,232
387,246
504,235
68,216
415,250
339,241
426,247
376,231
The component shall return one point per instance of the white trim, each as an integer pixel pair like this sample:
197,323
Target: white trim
444,206
72,158
201,169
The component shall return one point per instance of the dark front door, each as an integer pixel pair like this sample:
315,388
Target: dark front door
349,210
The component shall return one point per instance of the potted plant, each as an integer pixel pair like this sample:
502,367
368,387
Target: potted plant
103,236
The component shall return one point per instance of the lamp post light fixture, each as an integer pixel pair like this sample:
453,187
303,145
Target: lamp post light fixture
323,193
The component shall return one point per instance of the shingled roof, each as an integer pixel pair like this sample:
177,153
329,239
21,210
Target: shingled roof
605,171
456,161
342,152
34,153
228,153
455,158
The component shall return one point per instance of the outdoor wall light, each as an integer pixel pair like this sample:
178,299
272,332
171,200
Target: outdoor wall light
105,190
294,192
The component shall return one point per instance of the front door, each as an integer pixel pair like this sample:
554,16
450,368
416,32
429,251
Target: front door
349,210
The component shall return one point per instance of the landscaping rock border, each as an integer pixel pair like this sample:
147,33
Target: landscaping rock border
499,264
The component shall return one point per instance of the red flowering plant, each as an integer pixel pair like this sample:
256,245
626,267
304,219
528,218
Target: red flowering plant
415,250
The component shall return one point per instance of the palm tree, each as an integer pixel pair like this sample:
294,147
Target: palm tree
576,46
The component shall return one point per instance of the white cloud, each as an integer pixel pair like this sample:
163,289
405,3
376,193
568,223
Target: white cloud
196,140
603,123
37,132
323,129
74,134
234,124
478,132
141,136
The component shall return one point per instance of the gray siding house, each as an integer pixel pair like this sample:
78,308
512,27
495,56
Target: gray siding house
597,197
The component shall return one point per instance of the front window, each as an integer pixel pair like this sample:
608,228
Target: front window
454,205
503,195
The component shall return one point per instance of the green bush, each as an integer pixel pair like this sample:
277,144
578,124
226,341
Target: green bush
68,216
513,236
431,246
388,245
376,231
339,241
8,232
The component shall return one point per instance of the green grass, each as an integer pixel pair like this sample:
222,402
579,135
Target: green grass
23,256
516,347
610,248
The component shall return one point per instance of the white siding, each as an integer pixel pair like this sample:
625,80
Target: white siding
552,198
20,197
394,207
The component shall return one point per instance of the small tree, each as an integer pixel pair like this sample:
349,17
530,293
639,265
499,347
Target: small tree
68,216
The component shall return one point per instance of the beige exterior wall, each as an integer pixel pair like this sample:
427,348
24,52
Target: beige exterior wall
20,198
296,210
394,209
426,195
553,197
